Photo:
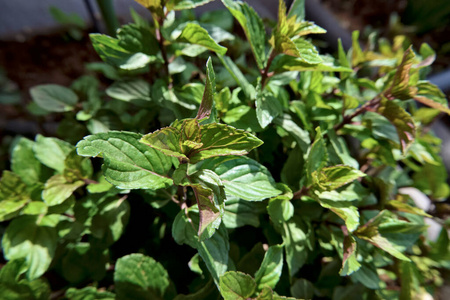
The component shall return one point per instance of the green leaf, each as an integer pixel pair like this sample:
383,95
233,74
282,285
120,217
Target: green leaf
24,163
111,52
370,232
253,27
297,9
137,276
242,177
248,89
270,271
294,233
284,63
33,238
35,208
401,88
110,220
340,205
236,286
280,209
368,276
300,135
166,140
332,178
57,189
207,103
317,155
130,90
134,38
155,6
302,289
210,210
54,98
265,294
239,213
213,251
89,293
128,164
404,207
13,195
184,4
197,35
221,140
52,152
403,122
268,107
349,262
300,48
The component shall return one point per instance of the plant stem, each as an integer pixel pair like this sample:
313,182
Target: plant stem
161,40
348,119
301,192
265,73
109,16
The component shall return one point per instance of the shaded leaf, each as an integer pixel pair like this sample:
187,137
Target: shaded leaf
270,271
129,90
280,209
52,152
349,262
137,276
207,103
89,293
13,195
236,286
54,98
268,107
294,233
24,163
33,238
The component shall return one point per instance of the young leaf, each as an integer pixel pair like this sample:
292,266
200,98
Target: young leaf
155,6
242,177
209,211
253,27
207,103
340,205
299,48
166,140
270,271
128,164
137,276
221,139
54,98
401,88
197,35
332,178
33,238
403,122
349,262
297,9
236,286
430,95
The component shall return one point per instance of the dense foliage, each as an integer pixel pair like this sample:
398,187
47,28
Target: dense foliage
251,169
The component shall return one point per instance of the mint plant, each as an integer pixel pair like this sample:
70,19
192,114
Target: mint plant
229,166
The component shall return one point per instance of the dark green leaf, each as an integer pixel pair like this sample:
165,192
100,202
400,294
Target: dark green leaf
253,27
294,233
268,107
241,80
300,135
236,286
302,289
270,271
280,209
239,213
128,164
368,276
137,276
112,53
54,98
